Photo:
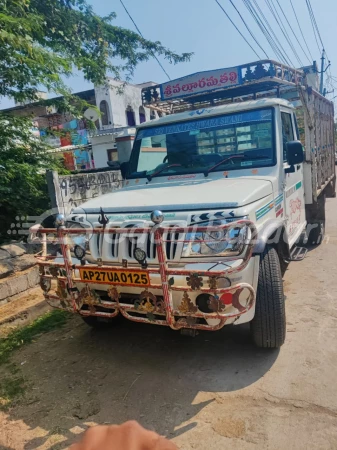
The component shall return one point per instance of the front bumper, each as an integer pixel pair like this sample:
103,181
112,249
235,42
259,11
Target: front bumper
170,299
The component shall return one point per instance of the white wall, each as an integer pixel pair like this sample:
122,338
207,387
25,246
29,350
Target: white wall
118,102
100,145
69,191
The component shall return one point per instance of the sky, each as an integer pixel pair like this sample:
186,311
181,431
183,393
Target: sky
201,27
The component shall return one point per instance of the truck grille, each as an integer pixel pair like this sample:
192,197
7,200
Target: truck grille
104,246
114,247
146,242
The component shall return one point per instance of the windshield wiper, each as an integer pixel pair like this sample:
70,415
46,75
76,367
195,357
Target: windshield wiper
229,158
149,177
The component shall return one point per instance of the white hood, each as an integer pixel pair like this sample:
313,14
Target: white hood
181,195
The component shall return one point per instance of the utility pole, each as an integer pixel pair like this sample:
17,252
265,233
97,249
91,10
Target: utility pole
322,73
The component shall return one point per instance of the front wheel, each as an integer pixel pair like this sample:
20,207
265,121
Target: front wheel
268,328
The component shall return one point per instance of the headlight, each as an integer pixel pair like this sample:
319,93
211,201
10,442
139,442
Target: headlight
81,240
225,242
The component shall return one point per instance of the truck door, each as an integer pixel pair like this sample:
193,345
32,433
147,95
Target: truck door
293,187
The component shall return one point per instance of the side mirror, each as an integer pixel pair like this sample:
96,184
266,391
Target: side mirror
295,153
124,168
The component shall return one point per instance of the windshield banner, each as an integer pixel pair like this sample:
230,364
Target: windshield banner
200,82
212,122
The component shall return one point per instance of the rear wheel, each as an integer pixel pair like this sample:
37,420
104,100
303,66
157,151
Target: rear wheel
268,328
316,221
316,231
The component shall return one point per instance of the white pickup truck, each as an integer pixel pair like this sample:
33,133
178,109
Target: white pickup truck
217,194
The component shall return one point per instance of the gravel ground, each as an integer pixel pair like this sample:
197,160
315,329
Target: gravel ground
215,391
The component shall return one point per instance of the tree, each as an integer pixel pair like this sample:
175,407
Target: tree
23,190
41,42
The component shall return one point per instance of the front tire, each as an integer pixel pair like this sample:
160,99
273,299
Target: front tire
268,328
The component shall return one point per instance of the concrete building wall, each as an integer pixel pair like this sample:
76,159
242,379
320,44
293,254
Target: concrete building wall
70,191
119,98
119,140
124,142
100,147
118,102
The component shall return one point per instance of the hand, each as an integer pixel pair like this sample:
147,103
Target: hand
128,436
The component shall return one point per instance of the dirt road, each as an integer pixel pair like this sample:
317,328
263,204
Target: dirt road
215,391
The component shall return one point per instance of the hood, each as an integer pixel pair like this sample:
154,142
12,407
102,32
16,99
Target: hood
182,195
186,195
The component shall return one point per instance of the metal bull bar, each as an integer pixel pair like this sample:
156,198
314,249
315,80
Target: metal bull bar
148,308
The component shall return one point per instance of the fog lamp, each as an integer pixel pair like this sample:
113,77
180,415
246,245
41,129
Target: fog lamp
140,256
79,252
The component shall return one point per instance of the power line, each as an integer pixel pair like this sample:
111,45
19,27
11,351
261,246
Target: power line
237,28
155,57
299,26
279,22
313,16
265,32
314,22
333,78
293,31
278,19
330,80
250,32
282,52
313,25
261,28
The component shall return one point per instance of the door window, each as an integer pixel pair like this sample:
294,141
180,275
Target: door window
287,132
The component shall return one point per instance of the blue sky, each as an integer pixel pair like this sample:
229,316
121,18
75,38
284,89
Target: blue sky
201,27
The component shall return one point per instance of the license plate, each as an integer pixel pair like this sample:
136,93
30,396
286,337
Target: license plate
121,277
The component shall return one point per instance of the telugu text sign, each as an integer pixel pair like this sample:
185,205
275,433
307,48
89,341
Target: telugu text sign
199,83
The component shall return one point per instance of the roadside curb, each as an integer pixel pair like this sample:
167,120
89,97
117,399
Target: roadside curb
18,283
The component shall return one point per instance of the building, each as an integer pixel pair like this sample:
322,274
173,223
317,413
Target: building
69,137
121,109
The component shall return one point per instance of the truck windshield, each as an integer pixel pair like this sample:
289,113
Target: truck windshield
196,146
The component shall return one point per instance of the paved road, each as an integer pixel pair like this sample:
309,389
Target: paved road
215,391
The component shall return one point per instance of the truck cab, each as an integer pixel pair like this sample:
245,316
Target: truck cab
214,202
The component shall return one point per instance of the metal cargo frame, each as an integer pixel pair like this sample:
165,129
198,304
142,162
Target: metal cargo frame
319,143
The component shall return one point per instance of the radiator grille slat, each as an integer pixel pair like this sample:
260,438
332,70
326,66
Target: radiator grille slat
113,247
147,243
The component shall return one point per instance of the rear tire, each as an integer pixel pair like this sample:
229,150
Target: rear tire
268,328
316,221
316,233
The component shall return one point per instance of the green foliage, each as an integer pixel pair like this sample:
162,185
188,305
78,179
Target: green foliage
12,384
23,189
21,336
41,42
11,389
